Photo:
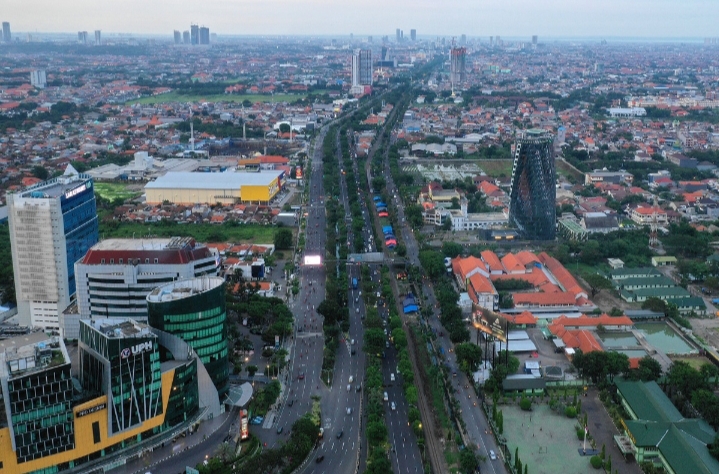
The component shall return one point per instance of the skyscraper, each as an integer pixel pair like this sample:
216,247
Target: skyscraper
98,37
362,67
6,35
458,58
186,37
194,34
52,225
178,37
534,39
399,34
38,78
204,35
413,34
463,40
533,192
82,37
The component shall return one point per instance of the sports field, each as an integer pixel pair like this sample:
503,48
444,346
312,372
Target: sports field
175,97
547,441
112,191
496,168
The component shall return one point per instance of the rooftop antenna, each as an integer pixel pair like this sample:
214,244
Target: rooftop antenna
192,134
244,132
654,227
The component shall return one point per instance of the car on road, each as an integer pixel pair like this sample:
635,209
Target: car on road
394,407
301,376
319,459
391,377
349,410
339,435
386,398
492,456
280,429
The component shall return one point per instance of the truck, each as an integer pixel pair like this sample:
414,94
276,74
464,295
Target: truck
354,283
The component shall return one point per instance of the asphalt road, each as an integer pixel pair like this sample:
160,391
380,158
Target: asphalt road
471,411
340,403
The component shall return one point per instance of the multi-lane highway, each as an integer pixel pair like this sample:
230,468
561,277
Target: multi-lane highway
476,423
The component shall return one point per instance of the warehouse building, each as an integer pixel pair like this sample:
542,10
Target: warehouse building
210,188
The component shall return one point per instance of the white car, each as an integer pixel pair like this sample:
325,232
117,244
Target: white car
394,407
492,456
349,410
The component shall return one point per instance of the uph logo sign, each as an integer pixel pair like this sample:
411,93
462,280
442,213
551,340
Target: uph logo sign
136,349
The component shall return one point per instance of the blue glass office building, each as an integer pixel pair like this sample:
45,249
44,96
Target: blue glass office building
52,225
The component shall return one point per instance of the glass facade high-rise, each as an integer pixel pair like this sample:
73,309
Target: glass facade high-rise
458,59
120,359
194,34
52,225
194,311
362,67
36,396
6,35
533,192
204,35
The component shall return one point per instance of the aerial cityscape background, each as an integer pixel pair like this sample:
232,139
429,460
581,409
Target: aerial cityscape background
399,237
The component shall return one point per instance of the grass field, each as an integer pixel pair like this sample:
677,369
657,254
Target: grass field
496,168
548,432
111,191
694,362
175,97
241,233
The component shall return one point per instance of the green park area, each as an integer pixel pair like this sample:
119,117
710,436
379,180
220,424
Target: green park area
231,232
496,168
547,441
175,97
112,191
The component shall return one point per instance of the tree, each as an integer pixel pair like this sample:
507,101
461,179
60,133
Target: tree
512,363
251,370
708,405
283,238
374,340
376,433
616,363
432,262
525,404
685,379
597,283
649,369
451,249
596,462
469,356
655,304
467,461
40,172
284,128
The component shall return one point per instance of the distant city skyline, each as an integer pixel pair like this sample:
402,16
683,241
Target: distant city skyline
483,18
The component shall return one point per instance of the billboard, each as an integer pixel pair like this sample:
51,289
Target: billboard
489,322
244,425
298,172
313,260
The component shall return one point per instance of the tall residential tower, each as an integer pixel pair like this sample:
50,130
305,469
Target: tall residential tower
533,192
6,35
457,62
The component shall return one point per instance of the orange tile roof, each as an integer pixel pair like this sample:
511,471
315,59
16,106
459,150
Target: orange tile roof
526,257
511,263
577,338
464,266
543,299
594,321
525,317
491,259
480,284
562,275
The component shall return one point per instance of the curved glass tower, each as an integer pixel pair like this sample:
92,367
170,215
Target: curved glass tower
194,311
533,193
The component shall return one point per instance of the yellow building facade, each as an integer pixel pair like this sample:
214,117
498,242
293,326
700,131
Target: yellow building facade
210,188
85,414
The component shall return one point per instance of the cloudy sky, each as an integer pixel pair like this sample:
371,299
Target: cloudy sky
507,18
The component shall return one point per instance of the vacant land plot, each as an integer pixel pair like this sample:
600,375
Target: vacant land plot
112,191
547,441
175,97
496,168
241,233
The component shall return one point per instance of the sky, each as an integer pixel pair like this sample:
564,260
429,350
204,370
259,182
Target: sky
475,18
